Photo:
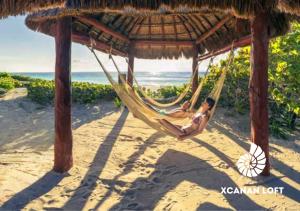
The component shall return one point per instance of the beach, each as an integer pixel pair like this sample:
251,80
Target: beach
120,163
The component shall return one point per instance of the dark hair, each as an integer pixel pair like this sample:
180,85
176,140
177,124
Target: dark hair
211,102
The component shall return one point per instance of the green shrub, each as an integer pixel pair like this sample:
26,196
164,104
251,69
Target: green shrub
42,91
117,102
22,78
4,75
84,92
8,83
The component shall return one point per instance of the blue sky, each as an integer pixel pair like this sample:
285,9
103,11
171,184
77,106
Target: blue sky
23,50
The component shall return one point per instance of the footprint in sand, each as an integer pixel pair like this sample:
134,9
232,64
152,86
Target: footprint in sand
166,172
134,205
130,194
156,180
223,165
139,139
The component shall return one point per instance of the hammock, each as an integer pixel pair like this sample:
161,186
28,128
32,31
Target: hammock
152,101
142,111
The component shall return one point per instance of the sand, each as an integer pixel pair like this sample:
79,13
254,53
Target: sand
122,164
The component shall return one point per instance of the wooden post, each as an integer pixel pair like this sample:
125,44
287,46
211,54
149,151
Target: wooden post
195,71
130,65
258,91
63,159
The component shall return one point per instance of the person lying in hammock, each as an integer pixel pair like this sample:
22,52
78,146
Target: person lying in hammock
181,112
199,121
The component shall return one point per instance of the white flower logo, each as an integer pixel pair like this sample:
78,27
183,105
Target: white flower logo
252,163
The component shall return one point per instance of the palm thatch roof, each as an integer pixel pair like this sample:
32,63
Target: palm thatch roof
289,6
17,7
240,8
161,33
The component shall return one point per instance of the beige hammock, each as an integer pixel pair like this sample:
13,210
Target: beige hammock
155,103
141,111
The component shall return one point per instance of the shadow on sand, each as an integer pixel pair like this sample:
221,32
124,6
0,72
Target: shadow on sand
31,125
51,179
172,168
34,191
128,167
97,165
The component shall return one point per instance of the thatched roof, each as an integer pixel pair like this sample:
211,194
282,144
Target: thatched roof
17,7
162,33
243,8
289,6
238,7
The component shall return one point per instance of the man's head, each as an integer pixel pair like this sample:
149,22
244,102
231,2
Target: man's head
186,105
208,104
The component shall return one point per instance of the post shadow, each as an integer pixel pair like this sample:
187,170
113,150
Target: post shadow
217,152
34,191
175,167
150,141
97,165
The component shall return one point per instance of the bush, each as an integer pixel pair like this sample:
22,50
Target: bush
4,75
117,102
84,92
42,91
22,78
9,83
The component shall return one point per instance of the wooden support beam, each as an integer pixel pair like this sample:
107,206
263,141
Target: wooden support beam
195,82
85,40
258,90
212,30
63,159
137,43
237,44
102,27
130,65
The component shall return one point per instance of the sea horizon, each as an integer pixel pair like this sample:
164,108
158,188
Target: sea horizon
144,78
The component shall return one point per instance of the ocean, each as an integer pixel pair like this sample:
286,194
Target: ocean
144,78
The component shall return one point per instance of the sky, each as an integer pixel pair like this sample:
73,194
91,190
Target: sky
23,50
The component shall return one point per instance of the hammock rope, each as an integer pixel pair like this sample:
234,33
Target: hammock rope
155,102
149,116
196,95
193,99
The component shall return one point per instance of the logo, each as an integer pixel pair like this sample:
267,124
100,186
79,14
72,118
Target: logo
252,163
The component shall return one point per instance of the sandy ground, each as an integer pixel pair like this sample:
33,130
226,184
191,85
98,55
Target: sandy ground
120,163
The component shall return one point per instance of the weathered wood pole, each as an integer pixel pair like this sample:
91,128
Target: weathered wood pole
258,91
63,159
195,81
130,65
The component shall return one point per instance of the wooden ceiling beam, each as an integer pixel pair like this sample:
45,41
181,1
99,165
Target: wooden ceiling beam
185,26
242,42
212,30
162,42
139,27
103,28
85,40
